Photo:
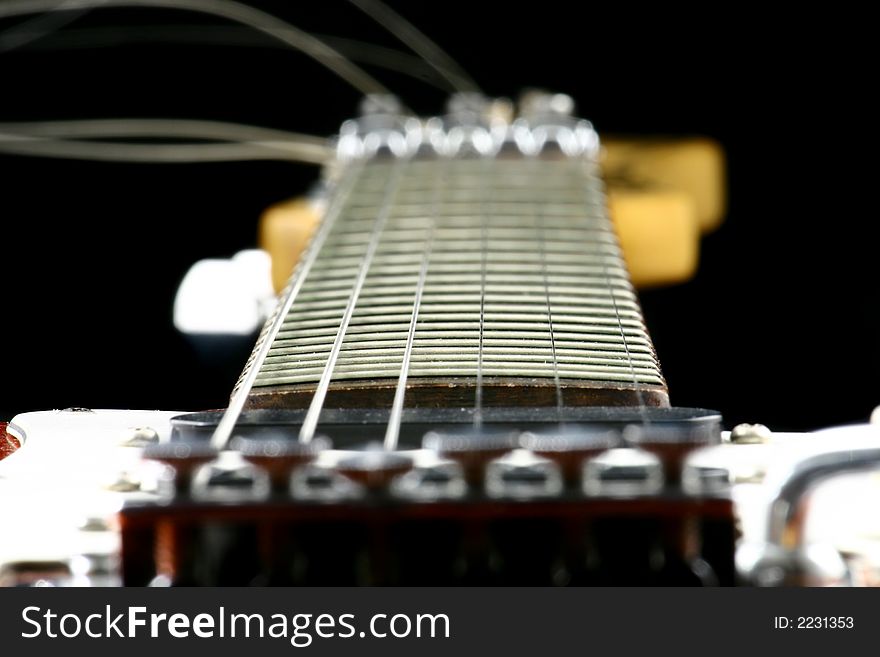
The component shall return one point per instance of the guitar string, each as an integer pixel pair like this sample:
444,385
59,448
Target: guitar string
429,51
230,10
392,432
158,129
89,38
539,226
310,422
303,151
74,139
484,246
223,433
37,28
588,166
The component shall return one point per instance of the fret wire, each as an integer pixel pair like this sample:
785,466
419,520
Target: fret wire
502,268
538,218
532,302
429,337
640,395
442,299
392,356
608,325
626,376
392,432
325,287
310,422
223,433
463,322
458,331
484,247
381,347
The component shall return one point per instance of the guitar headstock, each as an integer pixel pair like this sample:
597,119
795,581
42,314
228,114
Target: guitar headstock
664,193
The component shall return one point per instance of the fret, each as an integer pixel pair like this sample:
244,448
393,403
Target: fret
460,303
591,285
563,311
380,348
462,327
392,356
508,273
624,376
578,339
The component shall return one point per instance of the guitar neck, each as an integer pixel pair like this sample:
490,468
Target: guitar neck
499,273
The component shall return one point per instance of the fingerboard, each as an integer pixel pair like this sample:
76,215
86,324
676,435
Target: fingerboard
501,269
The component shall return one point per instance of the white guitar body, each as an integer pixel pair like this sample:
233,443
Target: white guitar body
60,492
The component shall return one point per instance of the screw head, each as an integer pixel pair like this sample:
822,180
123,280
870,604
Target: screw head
139,437
750,434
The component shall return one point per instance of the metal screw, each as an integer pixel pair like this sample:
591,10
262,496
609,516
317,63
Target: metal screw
125,482
535,103
750,434
139,437
94,524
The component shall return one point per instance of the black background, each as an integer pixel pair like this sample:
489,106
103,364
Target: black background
780,326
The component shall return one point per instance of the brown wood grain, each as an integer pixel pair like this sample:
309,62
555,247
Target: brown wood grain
460,392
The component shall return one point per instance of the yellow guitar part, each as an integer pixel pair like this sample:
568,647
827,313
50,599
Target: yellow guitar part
662,194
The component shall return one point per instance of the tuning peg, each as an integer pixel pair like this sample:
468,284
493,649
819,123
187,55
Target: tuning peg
285,230
692,166
659,234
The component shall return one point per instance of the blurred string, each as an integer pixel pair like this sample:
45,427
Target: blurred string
39,27
87,139
70,140
75,139
104,37
409,34
230,10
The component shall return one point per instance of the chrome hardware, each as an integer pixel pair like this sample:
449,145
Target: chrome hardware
124,482
473,449
623,472
183,460
570,448
314,483
374,468
467,128
439,479
139,437
474,125
785,557
773,566
278,457
538,105
381,128
230,479
550,122
523,475
705,480
750,434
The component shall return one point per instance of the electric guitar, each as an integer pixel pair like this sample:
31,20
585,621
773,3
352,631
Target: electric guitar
456,386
